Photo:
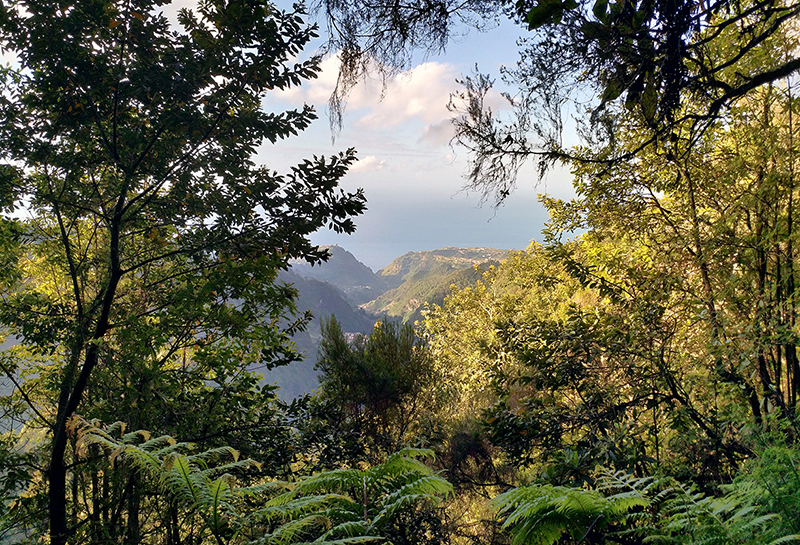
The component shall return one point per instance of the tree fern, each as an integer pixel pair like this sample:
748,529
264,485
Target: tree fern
653,510
347,506
759,507
542,514
358,504
198,487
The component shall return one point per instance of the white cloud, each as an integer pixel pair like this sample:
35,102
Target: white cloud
370,163
420,93
315,91
438,134
410,111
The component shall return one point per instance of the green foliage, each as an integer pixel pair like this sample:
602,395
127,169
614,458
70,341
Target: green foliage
541,514
340,506
660,510
548,12
349,504
200,487
674,68
372,393
760,506
658,339
662,330
141,283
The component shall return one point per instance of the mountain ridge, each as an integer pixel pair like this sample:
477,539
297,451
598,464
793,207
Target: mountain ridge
343,270
408,282
347,288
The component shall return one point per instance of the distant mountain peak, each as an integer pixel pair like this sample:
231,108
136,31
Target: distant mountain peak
342,269
417,278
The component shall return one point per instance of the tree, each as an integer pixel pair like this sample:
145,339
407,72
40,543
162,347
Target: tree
140,237
691,245
723,205
677,68
373,393
589,352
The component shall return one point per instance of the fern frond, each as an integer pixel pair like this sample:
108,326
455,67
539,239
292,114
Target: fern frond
214,455
220,492
154,444
794,538
135,437
103,440
281,499
287,532
428,485
238,466
337,479
299,506
350,528
622,503
182,481
545,530
541,514
403,502
356,540
262,488
402,462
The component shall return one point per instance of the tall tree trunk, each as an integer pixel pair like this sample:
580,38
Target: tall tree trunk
133,532
57,472
71,394
696,249
792,364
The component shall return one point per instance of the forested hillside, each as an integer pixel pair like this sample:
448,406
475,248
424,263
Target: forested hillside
631,378
419,278
322,300
429,287
416,266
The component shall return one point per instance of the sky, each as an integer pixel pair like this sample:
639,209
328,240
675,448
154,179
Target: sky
412,178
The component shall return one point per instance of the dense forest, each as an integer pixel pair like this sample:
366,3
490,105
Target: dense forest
632,378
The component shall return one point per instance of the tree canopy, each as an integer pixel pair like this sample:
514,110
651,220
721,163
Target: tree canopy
632,378
142,238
